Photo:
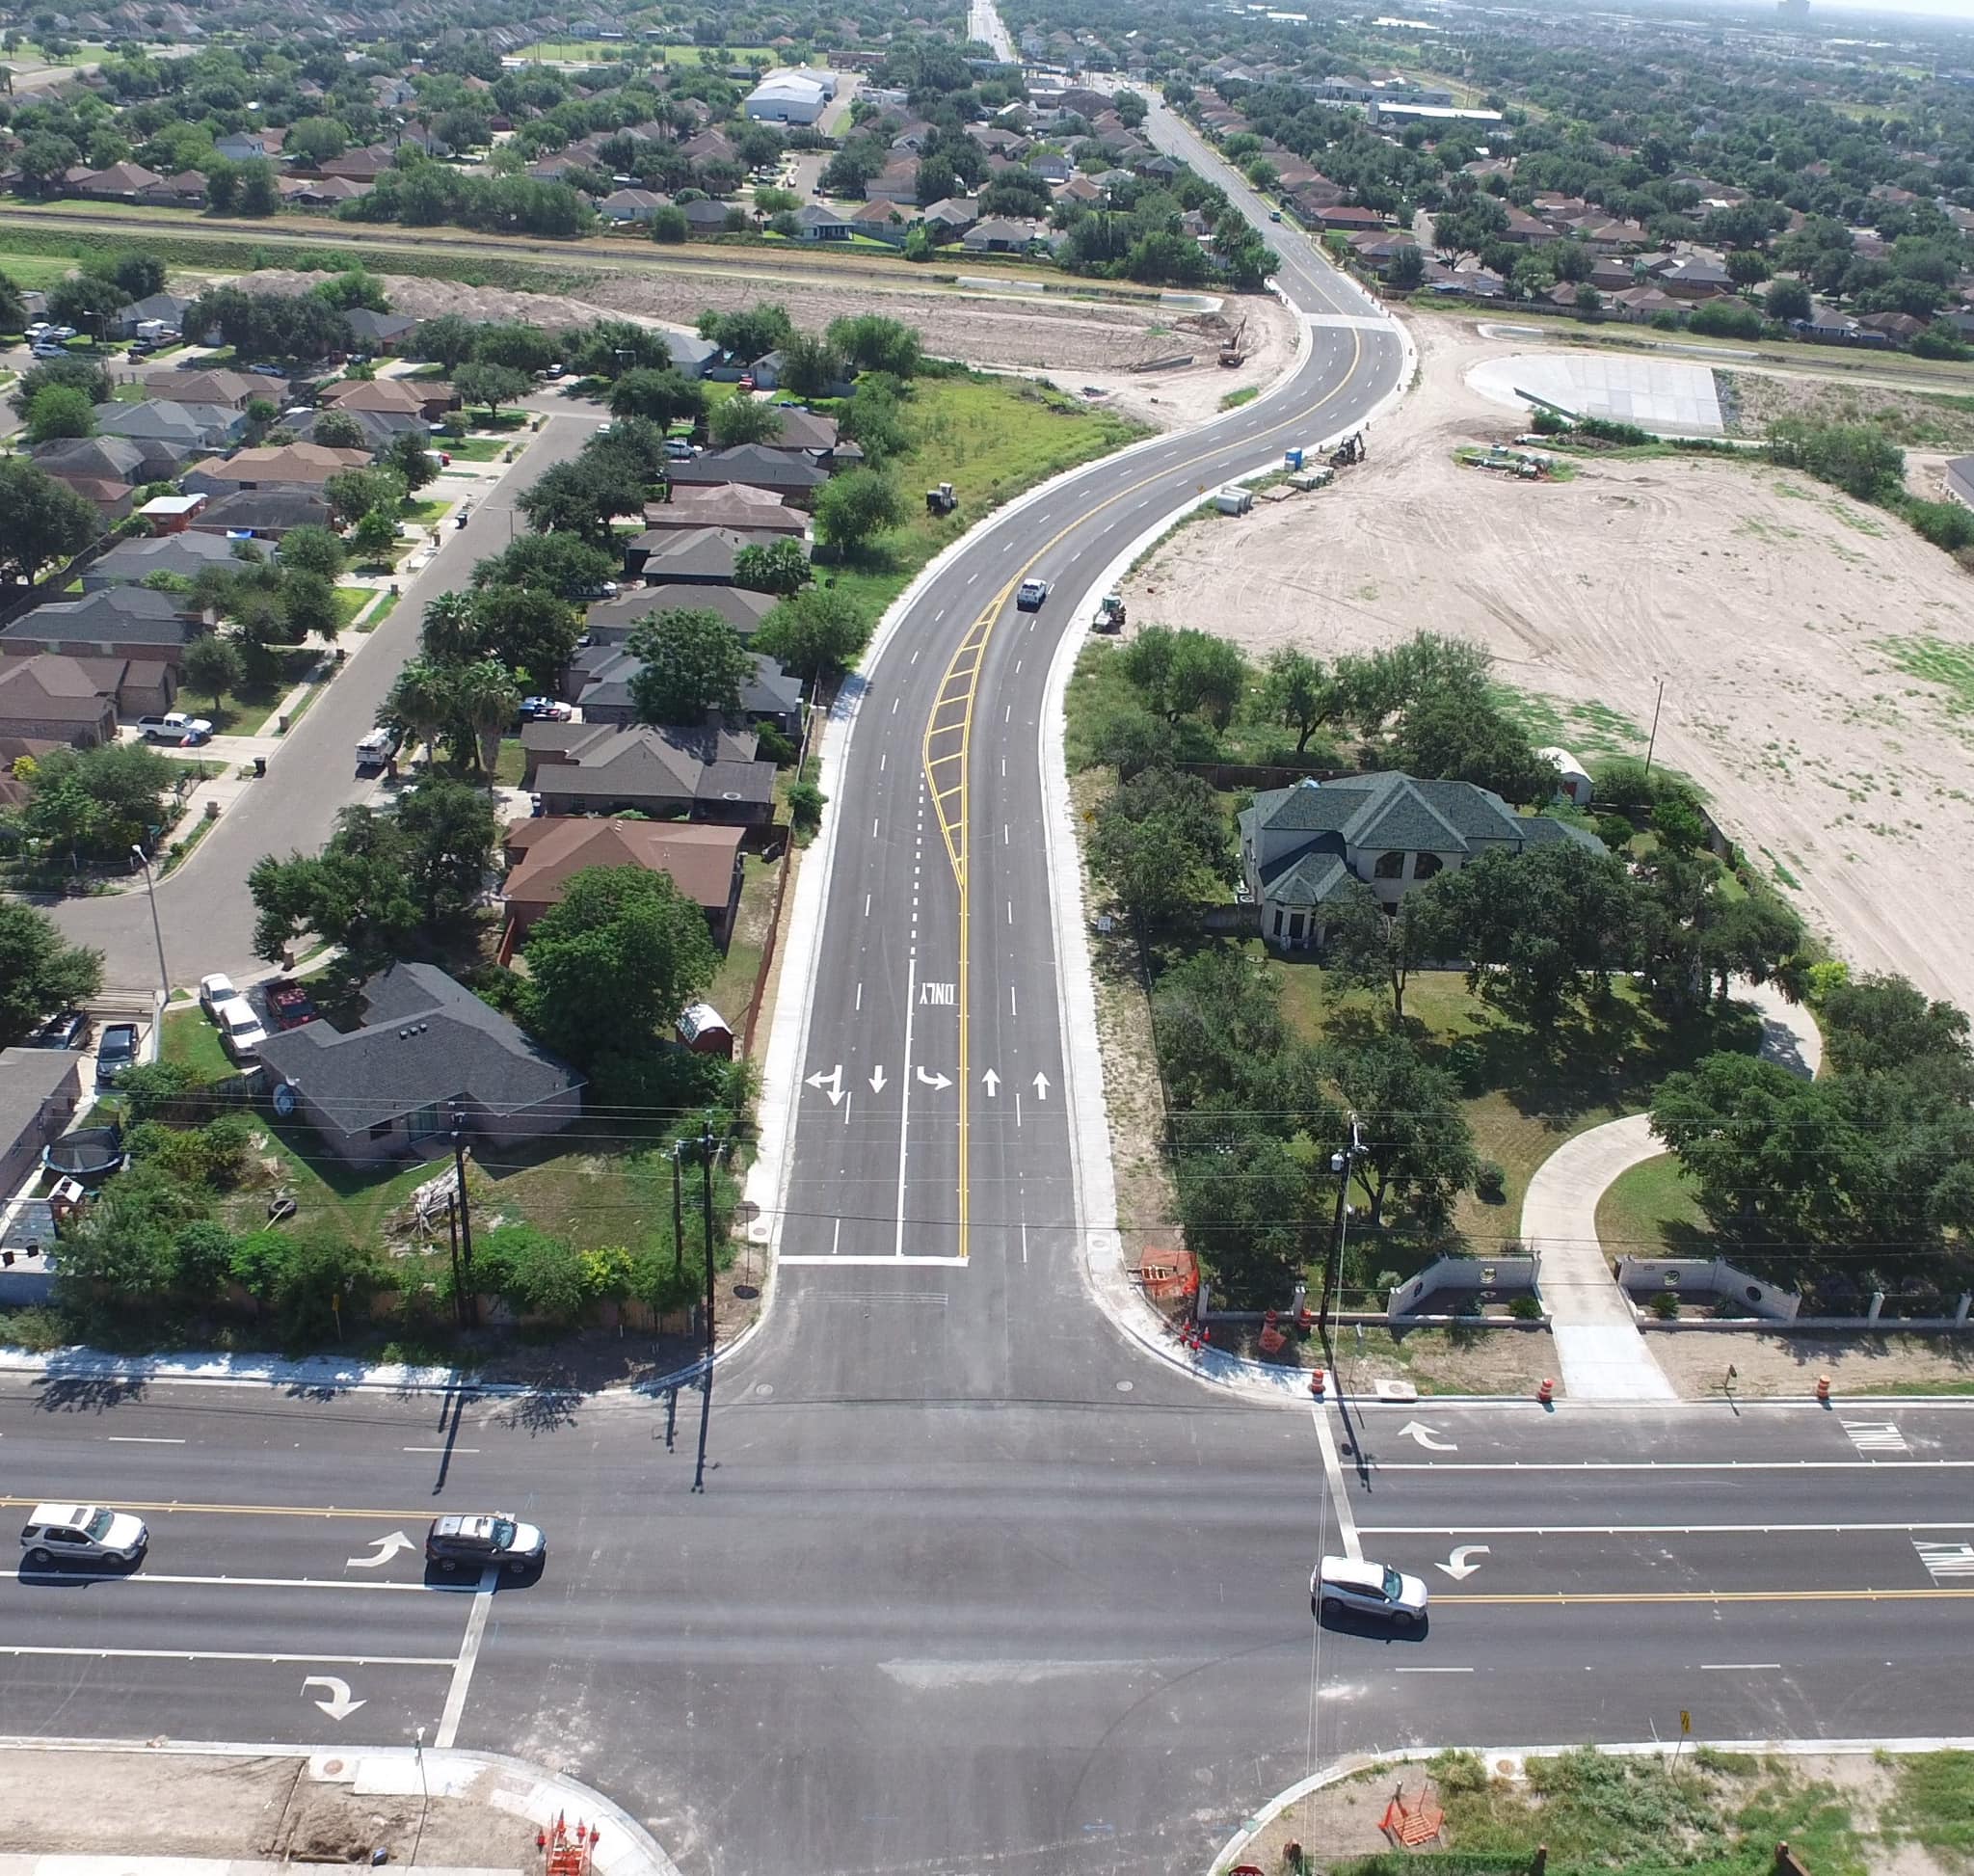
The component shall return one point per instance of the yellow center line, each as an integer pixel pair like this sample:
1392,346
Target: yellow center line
965,675
1599,1597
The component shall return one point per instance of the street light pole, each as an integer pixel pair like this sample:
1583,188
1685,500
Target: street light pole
1341,1164
705,1411
157,930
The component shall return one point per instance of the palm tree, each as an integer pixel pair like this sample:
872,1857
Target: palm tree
449,635
423,701
488,697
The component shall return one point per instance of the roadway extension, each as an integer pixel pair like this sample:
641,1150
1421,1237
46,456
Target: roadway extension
1598,1345
135,1807
1856,1775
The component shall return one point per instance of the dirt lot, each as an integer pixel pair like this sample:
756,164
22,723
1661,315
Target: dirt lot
187,1804
1783,618
1696,1363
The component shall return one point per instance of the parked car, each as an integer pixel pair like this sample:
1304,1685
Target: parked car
90,1534
266,370
68,1031
290,1006
115,1051
479,1540
375,749
215,990
1338,1584
174,726
241,1030
678,450
545,709
1032,596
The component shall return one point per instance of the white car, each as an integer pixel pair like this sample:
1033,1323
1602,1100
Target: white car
83,1534
241,1032
1030,597
215,990
1339,1585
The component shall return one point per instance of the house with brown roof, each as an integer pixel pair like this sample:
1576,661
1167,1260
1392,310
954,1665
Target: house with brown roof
235,389
1352,221
610,622
423,398
120,622
693,556
701,860
120,182
359,165
56,698
725,504
111,498
291,464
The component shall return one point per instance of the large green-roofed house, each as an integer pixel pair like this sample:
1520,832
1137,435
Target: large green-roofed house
1301,847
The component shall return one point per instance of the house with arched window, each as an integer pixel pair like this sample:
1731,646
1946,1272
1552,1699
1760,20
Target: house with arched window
1302,848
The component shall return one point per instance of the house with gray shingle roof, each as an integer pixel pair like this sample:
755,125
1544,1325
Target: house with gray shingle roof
1302,848
426,1047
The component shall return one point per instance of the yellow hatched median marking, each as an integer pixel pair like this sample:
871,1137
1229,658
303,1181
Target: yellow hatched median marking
964,671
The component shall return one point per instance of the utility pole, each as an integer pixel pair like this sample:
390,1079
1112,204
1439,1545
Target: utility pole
1341,1163
678,1212
1652,740
469,1301
705,1411
157,930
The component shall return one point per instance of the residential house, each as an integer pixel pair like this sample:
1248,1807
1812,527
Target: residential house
624,208
321,191
40,1090
1345,219
692,774
379,427
952,217
291,464
610,622
691,355
115,459
599,680
1646,302
701,860
785,472
131,622
895,183
194,427
56,698
1827,325
379,331
359,165
249,146
1694,278
708,216
1901,328
111,498
1529,232
1050,166
427,1058
120,182
880,220
802,429
129,563
262,514
725,504
424,399
234,389
171,514
1957,480
816,221
1000,235
695,556
1303,847
185,189
1078,189
1611,276
710,145
167,308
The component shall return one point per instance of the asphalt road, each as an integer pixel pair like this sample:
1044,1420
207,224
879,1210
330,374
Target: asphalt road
204,907
1062,1633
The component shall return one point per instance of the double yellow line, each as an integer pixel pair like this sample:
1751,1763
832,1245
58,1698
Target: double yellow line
949,729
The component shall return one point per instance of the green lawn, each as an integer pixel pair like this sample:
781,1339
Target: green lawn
1651,1212
426,512
732,991
351,601
472,449
1524,1094
190,1041
327,1194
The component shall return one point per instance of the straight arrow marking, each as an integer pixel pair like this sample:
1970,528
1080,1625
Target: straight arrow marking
993,1082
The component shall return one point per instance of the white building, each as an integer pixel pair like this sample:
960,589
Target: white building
791,96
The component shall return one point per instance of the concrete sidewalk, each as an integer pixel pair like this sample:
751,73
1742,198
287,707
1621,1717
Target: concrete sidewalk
116,1808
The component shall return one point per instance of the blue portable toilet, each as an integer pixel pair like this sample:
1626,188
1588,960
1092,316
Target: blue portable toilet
1292,459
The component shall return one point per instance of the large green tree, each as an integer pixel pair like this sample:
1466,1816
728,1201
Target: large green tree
1162,843
815,635
853,508
41,521
41,972
692,662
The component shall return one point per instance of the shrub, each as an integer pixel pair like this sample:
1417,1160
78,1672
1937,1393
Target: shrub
1490,1182
1616,831
806,803
1526,1309
1945,524
533,1273
1666,1305
1550,423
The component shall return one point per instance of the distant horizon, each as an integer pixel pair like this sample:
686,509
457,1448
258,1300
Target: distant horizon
1933,12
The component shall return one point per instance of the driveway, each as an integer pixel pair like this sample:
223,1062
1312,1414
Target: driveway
204,910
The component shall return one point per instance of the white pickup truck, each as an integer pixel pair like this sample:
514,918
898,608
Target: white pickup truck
174,726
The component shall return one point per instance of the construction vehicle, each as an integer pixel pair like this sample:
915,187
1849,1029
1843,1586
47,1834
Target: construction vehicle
1234,352
1352,452
941,500
1109,613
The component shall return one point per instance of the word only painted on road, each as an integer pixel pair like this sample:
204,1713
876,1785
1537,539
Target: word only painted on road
1945,1562
939,993
1875,1436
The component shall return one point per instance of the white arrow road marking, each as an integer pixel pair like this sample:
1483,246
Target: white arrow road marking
387,1548
1456,1564
1041,1087
338,1705
934,1081
831,1083
877,1080
1426,1436
993,1082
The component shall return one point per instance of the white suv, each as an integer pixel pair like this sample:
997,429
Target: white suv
1338,1584
241,1032
82,1532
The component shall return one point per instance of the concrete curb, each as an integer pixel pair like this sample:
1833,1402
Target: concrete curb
1348,1767
623,1847
1104,1276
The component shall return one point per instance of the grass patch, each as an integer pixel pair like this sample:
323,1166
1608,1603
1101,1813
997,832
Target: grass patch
1937,660
188,1041
1651,1211
511,764
1234,399
351,601
475,449
732,991
426,513
385,607
1524,1094
328,1193
1585,729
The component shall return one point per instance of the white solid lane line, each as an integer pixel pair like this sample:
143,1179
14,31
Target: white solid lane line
142,1439
1669,1466
1434,1671
211,1654
1646,1530
1333,1470
1740,1667
468,1656
441,1449
140,1577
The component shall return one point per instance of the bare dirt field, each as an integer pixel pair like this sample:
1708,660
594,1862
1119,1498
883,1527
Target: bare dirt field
1696,1363
1818,657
